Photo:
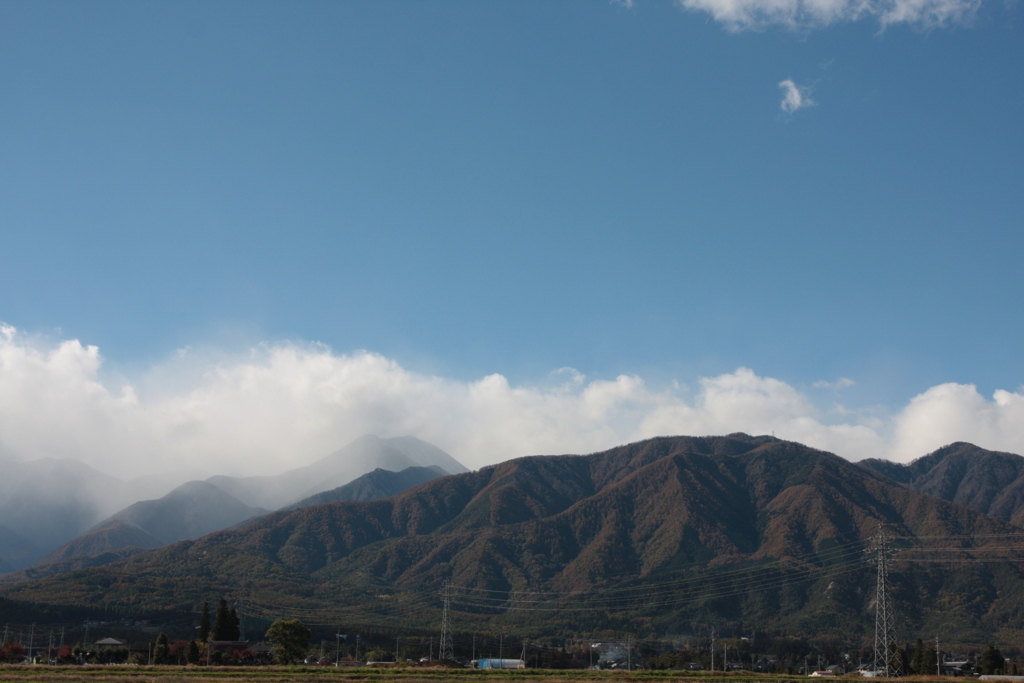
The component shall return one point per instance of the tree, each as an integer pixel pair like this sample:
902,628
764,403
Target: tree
235,625
12,653
192,656
225,625
204,623
162,650
924,658
178,650
289,640
992,661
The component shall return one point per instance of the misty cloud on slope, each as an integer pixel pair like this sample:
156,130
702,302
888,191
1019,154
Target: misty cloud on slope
284,405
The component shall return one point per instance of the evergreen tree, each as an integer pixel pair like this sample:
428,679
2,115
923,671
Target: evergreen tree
992,661
220,622
234,629
204,623
161,652
924,658
192,656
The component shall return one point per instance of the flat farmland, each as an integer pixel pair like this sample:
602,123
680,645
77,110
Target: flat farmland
168,674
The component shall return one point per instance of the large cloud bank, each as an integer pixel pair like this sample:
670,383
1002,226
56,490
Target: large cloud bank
284,405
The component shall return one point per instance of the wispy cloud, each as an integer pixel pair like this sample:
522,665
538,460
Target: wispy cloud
740,15
841,383
794,97
283,405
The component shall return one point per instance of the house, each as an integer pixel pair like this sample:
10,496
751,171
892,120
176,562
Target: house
228,646
109,644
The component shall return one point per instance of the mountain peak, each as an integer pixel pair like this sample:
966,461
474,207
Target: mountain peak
991,482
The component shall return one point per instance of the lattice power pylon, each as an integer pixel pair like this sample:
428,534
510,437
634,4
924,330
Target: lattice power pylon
447,652
887,658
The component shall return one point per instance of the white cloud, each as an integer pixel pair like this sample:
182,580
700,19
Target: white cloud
283,405
957,412
794,97
739,15
841,383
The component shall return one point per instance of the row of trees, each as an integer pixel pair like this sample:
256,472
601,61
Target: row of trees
226,625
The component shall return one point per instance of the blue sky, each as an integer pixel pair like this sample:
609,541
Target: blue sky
470,188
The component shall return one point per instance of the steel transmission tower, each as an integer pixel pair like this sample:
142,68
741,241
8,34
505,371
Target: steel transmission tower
887,659
447,650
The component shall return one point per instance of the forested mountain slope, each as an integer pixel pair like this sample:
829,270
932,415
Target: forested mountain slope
751,532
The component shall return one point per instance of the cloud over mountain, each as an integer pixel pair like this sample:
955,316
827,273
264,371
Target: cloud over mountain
283,405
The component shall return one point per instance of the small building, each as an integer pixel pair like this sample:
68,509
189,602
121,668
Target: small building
500,664
228,646
109,644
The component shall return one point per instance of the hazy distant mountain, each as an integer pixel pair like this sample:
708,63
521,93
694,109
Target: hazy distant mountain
374,486
655,536
47,502
111,535
986,481
15,551
194,509
360,457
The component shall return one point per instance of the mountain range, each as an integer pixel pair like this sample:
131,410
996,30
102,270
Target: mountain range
63,513
667,535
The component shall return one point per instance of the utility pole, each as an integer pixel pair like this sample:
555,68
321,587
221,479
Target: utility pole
61,638
474,647
629,654
712,648
337,655
938,666
31,637
886,661
396,649
357,648
447,651
501,649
